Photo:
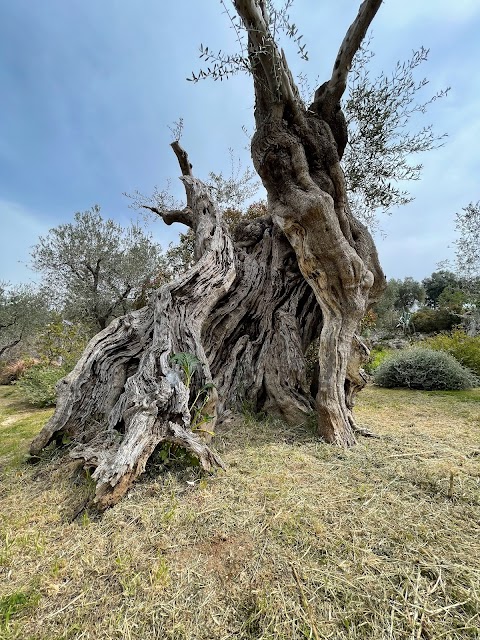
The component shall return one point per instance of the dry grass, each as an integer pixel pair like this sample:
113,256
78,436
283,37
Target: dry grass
297,540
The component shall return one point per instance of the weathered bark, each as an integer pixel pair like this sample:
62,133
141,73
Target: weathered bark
297,153
258,333
125,397
243,309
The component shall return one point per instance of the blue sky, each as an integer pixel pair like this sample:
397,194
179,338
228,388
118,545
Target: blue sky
89,89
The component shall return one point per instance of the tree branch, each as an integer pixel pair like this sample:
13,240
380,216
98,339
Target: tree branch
173,215
351,43
9,346
12,344
182,157
9,324
274,83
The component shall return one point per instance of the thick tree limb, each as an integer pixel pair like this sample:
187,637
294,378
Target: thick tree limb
351,43
184,216
12,344
182,157
170,216
296,153
272,77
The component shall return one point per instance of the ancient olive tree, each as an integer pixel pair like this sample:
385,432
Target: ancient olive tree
237,324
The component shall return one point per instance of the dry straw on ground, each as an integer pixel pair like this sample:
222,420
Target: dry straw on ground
297,540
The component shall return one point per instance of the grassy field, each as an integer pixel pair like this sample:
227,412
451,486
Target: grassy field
297,540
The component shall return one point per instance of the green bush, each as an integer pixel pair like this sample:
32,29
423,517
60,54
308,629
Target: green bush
377,356
432,320
465,348
422,368
38,384
62,342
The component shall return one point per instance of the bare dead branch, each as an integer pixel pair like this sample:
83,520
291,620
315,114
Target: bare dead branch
182,157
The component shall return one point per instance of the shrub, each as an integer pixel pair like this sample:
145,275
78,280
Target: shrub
423,368
38,384
62,342
377,356
12,371
432,320
465,348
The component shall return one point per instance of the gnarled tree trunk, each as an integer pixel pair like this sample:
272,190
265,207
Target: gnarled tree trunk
250,306
297,152
125,397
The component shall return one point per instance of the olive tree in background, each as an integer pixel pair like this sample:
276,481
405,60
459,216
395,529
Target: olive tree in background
94,269
23,311
468,243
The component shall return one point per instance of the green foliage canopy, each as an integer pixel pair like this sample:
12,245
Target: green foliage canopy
96,269
23,309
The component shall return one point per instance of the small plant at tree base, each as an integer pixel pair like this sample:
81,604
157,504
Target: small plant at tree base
170,452
422,368
198,416
188,363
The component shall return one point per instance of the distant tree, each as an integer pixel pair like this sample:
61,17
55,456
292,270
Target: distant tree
385,309
468,243
436,283
399,298
452,299
429,320
23,310
409,293
94,268
463,296
61,342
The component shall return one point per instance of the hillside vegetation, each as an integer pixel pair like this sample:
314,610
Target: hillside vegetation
297,540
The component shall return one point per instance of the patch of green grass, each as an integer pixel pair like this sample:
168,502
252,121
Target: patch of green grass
469,395
15,603
19,423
